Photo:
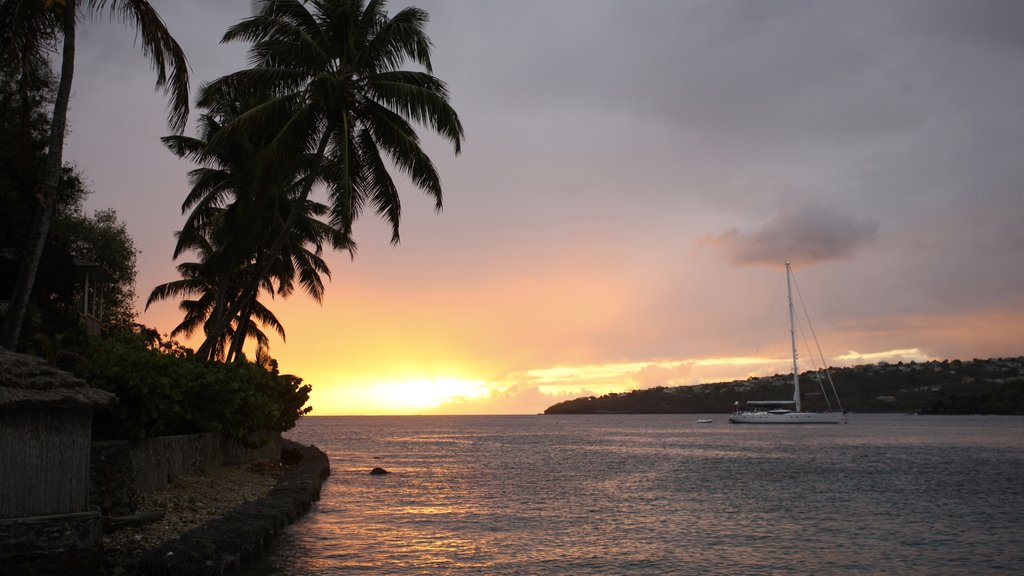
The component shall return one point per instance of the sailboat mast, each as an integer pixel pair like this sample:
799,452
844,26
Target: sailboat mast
792,338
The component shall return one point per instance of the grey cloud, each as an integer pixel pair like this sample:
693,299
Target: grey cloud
810,234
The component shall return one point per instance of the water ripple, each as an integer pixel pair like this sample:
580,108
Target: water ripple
660,495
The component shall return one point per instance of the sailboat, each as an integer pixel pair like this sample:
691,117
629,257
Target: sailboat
784,411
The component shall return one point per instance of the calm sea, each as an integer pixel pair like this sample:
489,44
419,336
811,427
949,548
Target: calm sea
661,494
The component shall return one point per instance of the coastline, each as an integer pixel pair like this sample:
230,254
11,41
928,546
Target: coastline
207,525
225,542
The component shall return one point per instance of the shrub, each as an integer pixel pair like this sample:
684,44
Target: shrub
162,389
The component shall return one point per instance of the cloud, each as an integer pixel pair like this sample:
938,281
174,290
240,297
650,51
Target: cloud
533,391
810,234
901,355
519,398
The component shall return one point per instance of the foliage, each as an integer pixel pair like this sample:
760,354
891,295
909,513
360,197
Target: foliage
23,127
162,390
24,123
28,30
233,219
101,238
52,321
104,239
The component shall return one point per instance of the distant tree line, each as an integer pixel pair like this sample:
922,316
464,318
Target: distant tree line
993,386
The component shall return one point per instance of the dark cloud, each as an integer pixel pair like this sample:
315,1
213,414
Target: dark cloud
810,234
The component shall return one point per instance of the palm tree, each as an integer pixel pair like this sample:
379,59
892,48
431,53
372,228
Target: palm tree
166,57
204,283
235,212
343,102
198,287
300,260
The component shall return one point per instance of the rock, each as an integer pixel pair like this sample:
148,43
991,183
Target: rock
379,470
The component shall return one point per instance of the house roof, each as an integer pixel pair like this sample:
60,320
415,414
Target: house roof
29,382
94,267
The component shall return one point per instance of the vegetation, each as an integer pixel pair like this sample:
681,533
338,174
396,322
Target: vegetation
29,30
103,238
51,321
994,386
161,390
231,215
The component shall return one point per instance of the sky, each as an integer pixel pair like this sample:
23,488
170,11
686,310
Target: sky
633,178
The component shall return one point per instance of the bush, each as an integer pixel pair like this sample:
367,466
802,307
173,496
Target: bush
162,389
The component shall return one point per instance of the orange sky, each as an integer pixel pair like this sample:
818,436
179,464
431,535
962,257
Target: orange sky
631,183
411,343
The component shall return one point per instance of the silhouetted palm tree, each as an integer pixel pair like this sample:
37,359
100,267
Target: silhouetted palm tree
198,289
23,18
235,212
344,106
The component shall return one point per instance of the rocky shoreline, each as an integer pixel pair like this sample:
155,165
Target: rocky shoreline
222,544
203,525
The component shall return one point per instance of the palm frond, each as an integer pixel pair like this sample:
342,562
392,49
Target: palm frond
398,39
396,136
165,55
421,97
378,187
187,148
173,289
27,31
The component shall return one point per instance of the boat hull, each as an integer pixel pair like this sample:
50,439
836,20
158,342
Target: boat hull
787,418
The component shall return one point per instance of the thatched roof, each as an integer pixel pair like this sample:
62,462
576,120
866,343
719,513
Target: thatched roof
29,382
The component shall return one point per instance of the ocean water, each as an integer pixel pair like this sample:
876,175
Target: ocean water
661,494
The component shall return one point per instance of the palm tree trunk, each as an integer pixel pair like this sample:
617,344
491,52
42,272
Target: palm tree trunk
239,337
249,294
215,316
25,117
11,333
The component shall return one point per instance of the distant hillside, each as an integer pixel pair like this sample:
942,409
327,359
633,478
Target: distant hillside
993,386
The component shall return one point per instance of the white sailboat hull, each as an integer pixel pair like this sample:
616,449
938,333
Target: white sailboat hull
787,418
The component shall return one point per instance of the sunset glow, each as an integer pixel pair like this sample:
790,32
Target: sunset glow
635,237
409,396
421,394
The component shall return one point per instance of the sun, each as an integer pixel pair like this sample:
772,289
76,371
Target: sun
421,394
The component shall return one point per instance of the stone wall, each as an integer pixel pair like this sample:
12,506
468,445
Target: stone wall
224,544
122,471
258,446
